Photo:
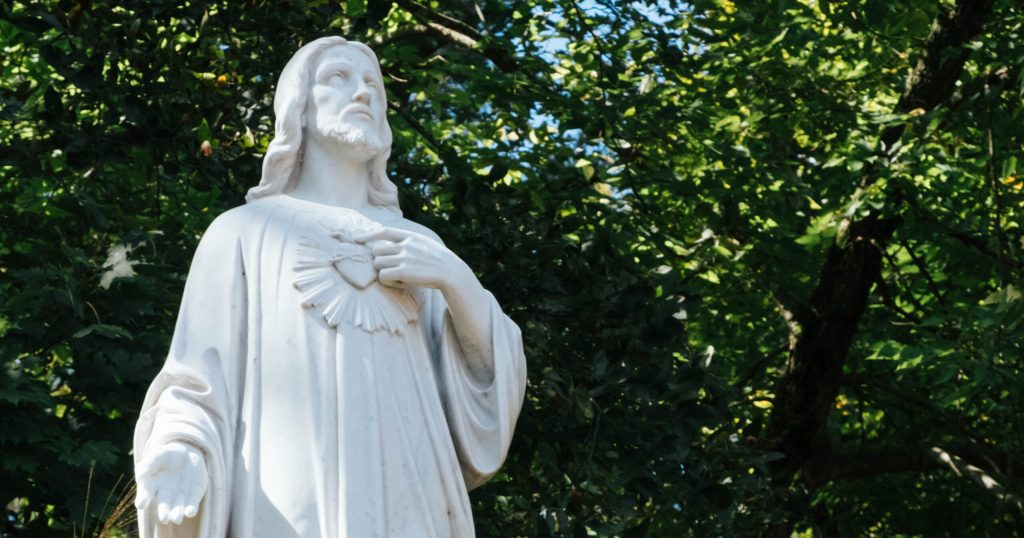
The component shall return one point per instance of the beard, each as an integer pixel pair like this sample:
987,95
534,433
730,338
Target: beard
367,143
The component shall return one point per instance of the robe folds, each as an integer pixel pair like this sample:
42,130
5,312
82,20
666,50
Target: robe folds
325,404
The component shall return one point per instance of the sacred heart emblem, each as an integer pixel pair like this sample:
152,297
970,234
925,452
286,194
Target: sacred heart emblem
335,276
354,263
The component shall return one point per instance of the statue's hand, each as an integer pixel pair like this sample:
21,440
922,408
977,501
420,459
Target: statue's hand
405,258
174,476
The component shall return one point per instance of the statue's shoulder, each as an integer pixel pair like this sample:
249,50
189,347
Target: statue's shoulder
233,223
407,224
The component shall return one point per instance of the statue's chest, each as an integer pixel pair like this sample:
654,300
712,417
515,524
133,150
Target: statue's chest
335,276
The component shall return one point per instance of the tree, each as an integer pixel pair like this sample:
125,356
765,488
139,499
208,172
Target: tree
766,256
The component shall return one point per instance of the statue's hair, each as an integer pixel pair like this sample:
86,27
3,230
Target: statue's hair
284,155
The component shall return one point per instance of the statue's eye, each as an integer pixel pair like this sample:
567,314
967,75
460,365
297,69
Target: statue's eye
340,75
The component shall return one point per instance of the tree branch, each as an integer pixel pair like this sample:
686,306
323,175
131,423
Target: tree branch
981,246
1003,78
427,29
908,402
922,267
459,33
402,32
938,69
449,157
987,468
967,239
423,12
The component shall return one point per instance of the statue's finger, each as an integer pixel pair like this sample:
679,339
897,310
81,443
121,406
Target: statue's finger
162,511
382,234
177,510
143,497
392,276
387,248
384,262
191,510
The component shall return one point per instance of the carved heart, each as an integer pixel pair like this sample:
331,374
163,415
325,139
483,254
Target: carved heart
355,264
334,275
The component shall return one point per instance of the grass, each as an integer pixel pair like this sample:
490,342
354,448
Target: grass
120,521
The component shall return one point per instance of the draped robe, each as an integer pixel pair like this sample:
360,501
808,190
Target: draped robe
322,408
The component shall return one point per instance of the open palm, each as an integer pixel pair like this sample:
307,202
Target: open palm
175,478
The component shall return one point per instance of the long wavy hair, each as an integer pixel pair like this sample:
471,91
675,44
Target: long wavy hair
284,154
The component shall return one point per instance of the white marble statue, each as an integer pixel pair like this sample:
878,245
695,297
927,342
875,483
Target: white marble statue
335,370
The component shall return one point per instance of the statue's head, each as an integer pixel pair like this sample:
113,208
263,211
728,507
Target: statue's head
331,91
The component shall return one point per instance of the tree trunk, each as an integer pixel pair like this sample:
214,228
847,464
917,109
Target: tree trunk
806,392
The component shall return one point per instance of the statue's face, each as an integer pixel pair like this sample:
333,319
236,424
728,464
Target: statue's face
346,103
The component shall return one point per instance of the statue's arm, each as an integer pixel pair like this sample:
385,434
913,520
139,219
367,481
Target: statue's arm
188,415
481,409
469,305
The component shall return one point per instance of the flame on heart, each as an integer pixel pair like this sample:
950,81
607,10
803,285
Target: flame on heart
336,277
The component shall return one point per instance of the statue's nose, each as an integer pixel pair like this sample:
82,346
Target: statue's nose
362,95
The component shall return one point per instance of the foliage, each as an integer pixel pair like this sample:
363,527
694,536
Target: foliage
655,191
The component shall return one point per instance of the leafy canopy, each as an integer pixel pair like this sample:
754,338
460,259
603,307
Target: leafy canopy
678,202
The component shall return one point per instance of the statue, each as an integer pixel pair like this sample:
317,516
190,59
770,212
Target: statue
335,369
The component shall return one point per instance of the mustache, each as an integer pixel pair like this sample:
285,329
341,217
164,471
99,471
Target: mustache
356,108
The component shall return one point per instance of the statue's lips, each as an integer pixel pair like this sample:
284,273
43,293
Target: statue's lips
358,111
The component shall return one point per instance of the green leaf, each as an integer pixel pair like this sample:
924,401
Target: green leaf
355,8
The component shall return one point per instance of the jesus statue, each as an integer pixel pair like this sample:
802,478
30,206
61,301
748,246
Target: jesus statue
335,370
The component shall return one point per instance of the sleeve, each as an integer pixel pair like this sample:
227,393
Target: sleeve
481,413
195,397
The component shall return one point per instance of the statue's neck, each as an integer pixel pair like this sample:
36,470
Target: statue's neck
328,178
